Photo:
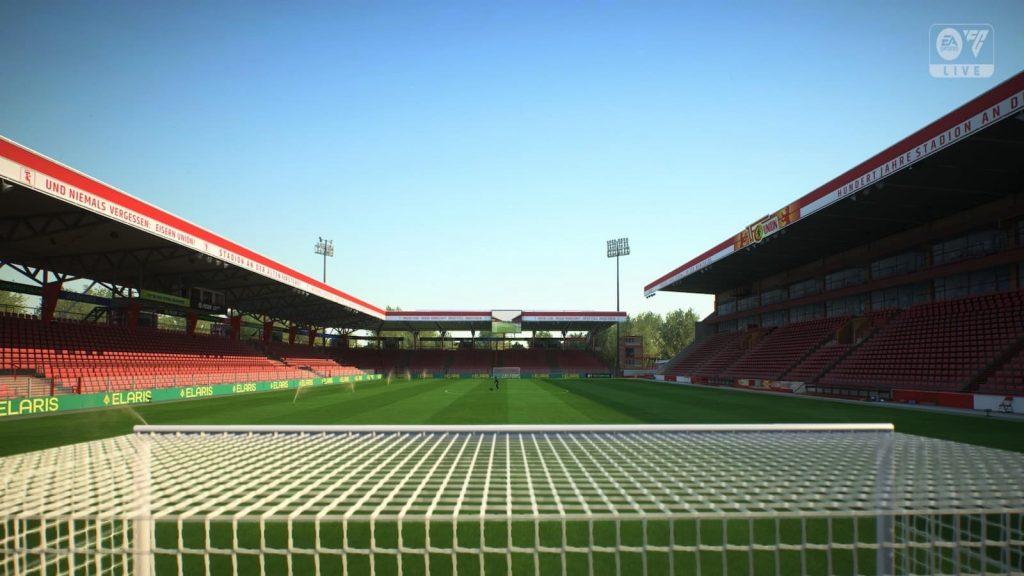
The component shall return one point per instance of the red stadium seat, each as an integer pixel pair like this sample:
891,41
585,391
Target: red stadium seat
938,346
84,357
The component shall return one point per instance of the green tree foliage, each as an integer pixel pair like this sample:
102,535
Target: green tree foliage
78,310
648,326
677,331
544,343
483,345
12,302
663,336
173,323
249,332
576,340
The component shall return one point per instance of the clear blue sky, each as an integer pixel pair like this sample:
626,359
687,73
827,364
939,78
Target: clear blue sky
474,156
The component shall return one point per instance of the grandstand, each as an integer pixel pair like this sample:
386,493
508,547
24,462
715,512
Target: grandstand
40,358
61,226
83,357
901,278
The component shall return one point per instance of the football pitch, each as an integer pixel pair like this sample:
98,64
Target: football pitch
523,401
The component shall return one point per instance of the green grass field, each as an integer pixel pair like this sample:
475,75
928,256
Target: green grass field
526,401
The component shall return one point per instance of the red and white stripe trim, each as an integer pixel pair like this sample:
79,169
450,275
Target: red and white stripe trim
999,103
45,175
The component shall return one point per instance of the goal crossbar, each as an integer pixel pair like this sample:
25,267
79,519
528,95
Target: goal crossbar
499,428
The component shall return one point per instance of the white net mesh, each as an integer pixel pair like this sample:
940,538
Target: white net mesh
506,372
662,499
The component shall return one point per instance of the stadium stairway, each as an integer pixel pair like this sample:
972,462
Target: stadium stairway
318,361
817,362
29,384
694,357
972,344
672,366
1005,375
782,348
820,360
730,352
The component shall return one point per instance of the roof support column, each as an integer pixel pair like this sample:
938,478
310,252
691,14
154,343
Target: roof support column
292,329
51,294
133,309
190,322
268,331
236,327
312,336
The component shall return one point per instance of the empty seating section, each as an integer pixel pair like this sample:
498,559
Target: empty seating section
820,360
966,345
86,357
772,356
580,361
699,353
934,346
728,353
38,358
1008,379
811,367
472,361
365,358
528,360
320,360
429,361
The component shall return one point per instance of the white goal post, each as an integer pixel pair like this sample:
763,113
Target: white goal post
590,499
506,372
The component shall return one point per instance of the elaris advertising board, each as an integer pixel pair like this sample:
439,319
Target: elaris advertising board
70,402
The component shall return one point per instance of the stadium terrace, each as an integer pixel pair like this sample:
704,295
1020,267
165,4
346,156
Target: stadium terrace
37,188
851,289
60,225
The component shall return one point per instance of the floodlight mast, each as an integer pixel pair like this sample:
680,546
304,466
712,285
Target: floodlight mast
326,249
616,248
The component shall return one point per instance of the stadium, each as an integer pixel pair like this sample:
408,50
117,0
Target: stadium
178,403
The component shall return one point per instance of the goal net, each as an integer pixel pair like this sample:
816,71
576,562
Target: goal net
505,372
781,500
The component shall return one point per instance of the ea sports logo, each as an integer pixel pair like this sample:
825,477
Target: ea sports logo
949,44
961,50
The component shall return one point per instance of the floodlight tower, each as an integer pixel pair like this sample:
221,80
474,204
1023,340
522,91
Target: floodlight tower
325,248
617,248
